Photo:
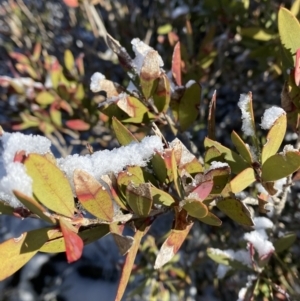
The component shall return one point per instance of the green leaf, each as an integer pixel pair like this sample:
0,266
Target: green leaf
195,208
18,251
5,208
236,210
162,94
285,242
280,166
159,167
45,98
34,206
220,178
189,105
212,154
164,29
274,138
57,244
289,32
133,108
139,198
50,185
124,136
211,120
219,257
211,219
257,33
93,196
69,60
235,162
244,179
241,147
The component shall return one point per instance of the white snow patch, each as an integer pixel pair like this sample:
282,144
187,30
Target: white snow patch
96,82
13,175
243,104
262,223
222,270
103,162
270,116
217,164
260,243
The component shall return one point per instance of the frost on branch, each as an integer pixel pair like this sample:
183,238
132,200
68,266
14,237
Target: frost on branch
244,104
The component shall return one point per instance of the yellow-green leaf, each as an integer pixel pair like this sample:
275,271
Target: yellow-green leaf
16,252
257,33
274,138
289,32
124,136
45,98
195,208
161,197
5,208
236,162
243,180
33,206
69,60
241,147
50,185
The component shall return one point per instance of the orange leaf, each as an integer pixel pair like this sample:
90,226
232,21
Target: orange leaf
174,241
77,125
74,244
128,264
297,68
93,196
176,64
71,3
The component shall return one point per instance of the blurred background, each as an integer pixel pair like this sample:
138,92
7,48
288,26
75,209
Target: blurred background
48,53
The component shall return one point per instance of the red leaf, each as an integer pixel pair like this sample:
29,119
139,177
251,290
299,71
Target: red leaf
176,64
204,189
20,156
71,3
74,244
297,68
77,124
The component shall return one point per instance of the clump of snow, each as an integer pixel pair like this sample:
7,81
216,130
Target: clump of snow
190,83
279,185
243,104
260,243
96,82
104,162
217,164
262,223
270,116
288,148
13,174
241,256
141,50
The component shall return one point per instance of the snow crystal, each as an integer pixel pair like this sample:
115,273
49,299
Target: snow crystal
104,162
217,164
243,104
96,82
270,116
13,174
141,50
260,243
288,148
262,223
